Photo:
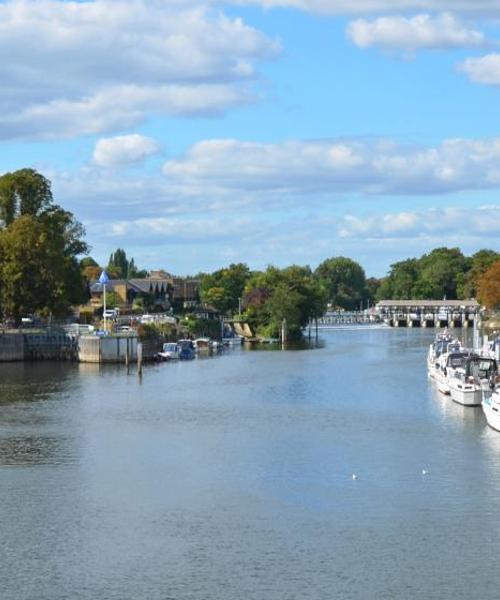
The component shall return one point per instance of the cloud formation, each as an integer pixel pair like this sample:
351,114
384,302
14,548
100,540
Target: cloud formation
485,69
101,65
449,222
373,166
124,150
472,7
409,34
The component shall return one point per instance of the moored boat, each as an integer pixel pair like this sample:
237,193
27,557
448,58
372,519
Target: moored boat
448,364
170,351
491,407
436,349
187,350
469,380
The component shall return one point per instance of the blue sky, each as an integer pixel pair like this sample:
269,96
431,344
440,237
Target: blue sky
197,135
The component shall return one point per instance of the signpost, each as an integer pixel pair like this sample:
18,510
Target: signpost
103,280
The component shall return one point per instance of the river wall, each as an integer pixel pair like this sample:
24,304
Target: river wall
48,345
11,347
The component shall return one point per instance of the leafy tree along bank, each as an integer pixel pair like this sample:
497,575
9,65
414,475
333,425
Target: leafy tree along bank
40,243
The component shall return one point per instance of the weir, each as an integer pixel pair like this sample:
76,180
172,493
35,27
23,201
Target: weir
428,313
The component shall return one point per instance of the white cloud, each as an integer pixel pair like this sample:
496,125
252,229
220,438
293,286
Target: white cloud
474,7
485,69
101,65
423,31
124,150
465,223
336,166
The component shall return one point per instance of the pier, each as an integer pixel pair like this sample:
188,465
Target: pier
428,313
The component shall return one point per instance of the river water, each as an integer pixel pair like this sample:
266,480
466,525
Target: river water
231,478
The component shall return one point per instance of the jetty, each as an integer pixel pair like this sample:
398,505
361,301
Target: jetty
428,313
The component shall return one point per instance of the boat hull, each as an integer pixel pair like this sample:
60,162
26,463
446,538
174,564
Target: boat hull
491,411
466,394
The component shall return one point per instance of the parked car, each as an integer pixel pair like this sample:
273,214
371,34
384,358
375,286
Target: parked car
110,313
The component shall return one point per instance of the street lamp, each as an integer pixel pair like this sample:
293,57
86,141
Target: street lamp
103,280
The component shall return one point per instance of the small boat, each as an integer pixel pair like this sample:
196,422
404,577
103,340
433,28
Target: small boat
187,350
236,340
491,404
170,351
449,362
202,344
436,349
469,380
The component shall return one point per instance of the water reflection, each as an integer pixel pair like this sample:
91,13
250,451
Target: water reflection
232,478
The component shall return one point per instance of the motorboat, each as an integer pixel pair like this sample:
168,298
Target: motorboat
469,380
491,404
436,349
449,362
235,340
187,349
202,344
170,351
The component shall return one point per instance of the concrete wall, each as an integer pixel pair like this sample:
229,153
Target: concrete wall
11,347
94,349
49,346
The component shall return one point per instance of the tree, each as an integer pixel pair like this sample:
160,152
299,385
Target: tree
39,270
223,288
440,273
24,192
480,262
88,261
489,286
119,267
293,294
39,247
344,280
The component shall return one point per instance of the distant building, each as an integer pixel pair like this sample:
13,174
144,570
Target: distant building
154,291
160,288
185,292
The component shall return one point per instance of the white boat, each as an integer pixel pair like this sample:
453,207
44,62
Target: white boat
436,349
469,381
202,344
449,362
170,351
236,340
491,407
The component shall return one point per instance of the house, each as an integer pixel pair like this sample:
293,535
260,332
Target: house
155,292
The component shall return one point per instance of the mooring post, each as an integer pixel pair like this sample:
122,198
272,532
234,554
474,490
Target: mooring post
139,359
283,333
127,356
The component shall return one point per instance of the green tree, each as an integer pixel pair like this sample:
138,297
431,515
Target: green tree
120,267
293,294
24,192
345,281
440,273
223,288
39,248
39,270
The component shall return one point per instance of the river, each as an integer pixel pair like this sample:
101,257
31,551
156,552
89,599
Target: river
232,478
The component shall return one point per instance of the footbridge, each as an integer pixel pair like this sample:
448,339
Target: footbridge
428,313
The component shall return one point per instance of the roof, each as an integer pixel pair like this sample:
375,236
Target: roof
428,304
145,286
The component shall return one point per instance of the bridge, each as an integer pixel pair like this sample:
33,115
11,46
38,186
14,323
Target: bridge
339,318
428,313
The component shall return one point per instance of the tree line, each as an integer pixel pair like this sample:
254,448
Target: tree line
45,269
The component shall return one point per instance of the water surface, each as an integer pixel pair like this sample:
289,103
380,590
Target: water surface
231,478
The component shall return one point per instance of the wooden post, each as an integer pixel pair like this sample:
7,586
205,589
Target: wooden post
127,356
283,333
139,359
